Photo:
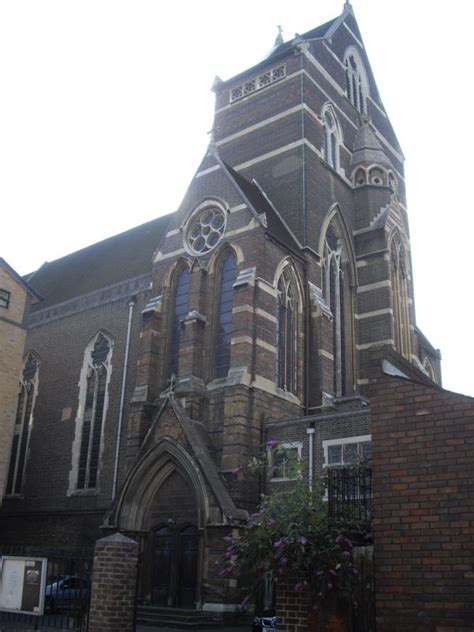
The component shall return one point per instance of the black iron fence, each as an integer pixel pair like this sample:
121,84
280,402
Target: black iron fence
350,495
67,595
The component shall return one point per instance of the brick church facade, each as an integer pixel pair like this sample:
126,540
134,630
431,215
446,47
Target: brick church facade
167,356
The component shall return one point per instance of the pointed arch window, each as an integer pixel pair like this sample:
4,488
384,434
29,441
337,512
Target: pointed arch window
180,309
332,138
23,424
93,398
337,292
355,82
286,332
401,318
224,327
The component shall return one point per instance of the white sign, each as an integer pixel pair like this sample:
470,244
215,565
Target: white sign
22,584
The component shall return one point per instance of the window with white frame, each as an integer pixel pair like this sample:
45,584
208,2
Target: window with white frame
332,138
92,410
23,425
356,83
285,461
347,451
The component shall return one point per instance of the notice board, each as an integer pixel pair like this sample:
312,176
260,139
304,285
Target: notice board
22,584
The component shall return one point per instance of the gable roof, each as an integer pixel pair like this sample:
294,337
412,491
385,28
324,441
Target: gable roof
123,256
319,32
260,204
16,277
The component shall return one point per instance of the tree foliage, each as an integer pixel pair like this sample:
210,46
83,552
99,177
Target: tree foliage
291,536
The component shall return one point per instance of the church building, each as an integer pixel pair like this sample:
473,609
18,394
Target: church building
160,360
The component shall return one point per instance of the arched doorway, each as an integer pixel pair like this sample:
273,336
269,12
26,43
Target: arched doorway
175,560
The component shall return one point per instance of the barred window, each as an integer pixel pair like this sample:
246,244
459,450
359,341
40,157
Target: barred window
180,309
23,425
224,330
92,422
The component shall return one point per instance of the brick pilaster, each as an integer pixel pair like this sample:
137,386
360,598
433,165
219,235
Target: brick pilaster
114,585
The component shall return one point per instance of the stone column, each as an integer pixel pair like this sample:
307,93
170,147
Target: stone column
114,581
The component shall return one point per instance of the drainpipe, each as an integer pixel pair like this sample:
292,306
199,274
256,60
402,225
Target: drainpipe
310,432
131,305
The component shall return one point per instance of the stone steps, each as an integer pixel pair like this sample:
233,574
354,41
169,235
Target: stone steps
176,618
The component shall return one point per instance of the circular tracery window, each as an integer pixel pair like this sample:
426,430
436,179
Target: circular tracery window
206,230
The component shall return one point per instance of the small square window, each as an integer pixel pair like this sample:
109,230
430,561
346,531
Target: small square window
350,453
366,451
4,298
285,461
335,454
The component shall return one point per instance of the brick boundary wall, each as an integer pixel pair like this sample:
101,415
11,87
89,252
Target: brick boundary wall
423,480
294,613
291,608
114,581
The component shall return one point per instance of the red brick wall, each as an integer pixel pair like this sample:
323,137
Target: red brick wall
423,477
114,581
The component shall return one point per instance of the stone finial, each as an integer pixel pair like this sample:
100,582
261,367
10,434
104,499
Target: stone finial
279,37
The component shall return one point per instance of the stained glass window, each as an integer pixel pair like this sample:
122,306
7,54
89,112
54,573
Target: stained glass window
180,310
224,330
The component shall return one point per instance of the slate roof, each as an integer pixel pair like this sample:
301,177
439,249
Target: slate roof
105,263
318,32
282,49
275,225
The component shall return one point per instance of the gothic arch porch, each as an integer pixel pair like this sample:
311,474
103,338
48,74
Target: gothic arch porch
164,505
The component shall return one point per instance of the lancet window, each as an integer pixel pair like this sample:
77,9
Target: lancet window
337,292
401,318
355,84
332,138
93,398
224,326
180,310
23,425
286,331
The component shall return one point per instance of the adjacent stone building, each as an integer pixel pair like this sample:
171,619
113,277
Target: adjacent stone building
14,292
171,353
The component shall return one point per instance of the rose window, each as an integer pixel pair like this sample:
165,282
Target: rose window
206,230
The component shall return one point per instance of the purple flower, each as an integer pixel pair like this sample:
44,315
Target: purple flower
303,541
238,470
283,560
279,543
333,572
343,542
299,587
272,443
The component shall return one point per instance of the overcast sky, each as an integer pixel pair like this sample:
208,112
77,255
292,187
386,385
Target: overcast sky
106,105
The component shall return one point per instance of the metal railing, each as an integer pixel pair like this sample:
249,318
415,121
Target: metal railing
350,495
68,585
